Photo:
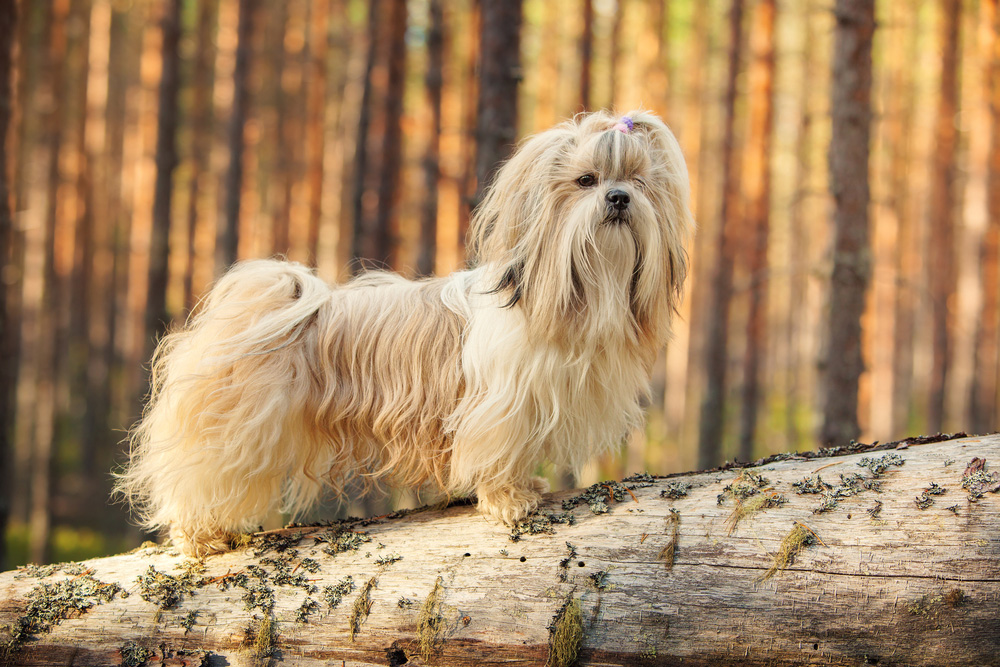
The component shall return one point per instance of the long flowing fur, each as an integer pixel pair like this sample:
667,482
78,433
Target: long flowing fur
281,384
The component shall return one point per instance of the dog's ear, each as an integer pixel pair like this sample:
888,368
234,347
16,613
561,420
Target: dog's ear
511,202
513,198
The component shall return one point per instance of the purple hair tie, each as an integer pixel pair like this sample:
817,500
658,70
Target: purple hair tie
625,125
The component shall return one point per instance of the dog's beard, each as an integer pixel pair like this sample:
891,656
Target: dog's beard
591,274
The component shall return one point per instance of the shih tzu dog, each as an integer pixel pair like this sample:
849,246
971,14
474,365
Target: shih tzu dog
281,385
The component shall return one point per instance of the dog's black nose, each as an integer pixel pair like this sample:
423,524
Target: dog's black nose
618,199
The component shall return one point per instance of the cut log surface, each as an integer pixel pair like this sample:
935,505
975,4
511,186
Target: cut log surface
872,556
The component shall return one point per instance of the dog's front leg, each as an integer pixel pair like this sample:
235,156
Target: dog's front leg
496,461
511,501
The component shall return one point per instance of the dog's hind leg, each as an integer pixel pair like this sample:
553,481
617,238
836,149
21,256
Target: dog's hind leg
227,434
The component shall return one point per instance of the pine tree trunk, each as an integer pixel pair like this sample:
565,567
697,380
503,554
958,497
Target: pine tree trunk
586,53
757,186
227,244
500,74
392,147
941,251
202,125
615,53
894,565
716,355
983,401
361,244
319,28
377,164
798,246
434,83
907,237
94,386
8,317
848,156
50,352
157,317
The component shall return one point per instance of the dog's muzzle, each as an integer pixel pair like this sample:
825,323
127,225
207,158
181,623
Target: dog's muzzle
617,201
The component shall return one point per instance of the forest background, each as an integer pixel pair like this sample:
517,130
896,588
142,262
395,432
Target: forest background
151,143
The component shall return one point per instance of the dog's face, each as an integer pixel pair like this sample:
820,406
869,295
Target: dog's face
585,228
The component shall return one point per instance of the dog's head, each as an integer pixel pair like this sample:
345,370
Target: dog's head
585,228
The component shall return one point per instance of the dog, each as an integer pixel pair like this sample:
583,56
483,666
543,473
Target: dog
281,385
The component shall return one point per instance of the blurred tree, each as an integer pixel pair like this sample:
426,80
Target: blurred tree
97,260
848,156
319,29
615,53
157,317
901,122
941,249
499,76
52,302
202,124
290,107
586,54
377,162
796,328
757,187
983,398
433,82
228,240
713,406
8,318
470,98
657,67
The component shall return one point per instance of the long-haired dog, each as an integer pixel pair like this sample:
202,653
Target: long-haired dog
281,384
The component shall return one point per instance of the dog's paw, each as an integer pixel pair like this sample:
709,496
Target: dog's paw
540,485
508,505
199,544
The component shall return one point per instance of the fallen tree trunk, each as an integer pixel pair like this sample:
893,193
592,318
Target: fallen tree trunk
874,557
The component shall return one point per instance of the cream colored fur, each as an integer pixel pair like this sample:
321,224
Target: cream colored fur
281,384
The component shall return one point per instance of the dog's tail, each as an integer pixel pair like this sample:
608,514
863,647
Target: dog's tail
227,391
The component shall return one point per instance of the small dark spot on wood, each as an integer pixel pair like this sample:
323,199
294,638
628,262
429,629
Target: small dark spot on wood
466,554
395,655
581,564
955,597
848,516
815,647
522,559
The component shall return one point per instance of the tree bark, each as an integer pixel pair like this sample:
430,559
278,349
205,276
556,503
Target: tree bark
377,161
157,317
667,577
316,105
8,319
983,398
941,252
202,128
53,297
227,244
434,83
499,76
757,186
586,54
710,431
849,151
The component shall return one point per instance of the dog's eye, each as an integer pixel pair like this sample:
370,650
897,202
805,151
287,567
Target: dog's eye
586,180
